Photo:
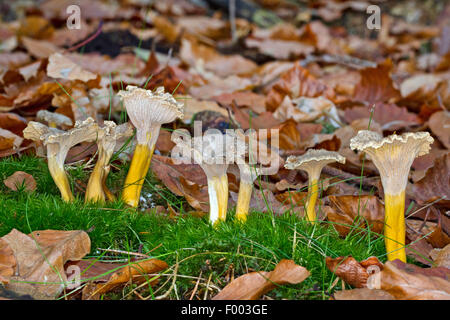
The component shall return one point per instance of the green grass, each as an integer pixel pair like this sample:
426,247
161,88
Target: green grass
257,245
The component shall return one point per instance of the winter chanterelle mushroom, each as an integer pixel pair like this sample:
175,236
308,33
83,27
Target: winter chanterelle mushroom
210,152
393,157
313,162
147,111
58,144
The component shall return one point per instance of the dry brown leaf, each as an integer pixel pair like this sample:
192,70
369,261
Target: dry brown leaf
435,184
425,88
442,258
40,257
192,106
353,272
296,82
188,180
9,140
439,124
409,282
39,49
252,286
363,294
61,67
135,272
199,56
19,179
343,212
256,102
376,85
388,115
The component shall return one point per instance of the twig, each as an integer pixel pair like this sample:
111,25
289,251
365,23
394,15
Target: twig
196,286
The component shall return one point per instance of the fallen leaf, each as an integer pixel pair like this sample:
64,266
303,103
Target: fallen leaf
439,124
363,294
19,179
409,282
61,67
252,286
40,257
135,272
388,115
353,272
360,211
9,140
435,184
200,56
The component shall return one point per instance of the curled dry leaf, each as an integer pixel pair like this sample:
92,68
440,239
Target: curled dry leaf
12,122
296,82
187,180
409,282
20,179
135,272
40,258
252,286
347,210
353,272
9,140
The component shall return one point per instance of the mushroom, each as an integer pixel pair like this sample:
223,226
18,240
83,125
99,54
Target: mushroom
210,152
313,162
393,157
58,144
147,112
248,145
108,137
53,119
34,131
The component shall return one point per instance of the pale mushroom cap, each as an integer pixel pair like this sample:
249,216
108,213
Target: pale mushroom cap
210,151
36,130
393,155
148,109
60,142
313,160
111,133
57,118
262,159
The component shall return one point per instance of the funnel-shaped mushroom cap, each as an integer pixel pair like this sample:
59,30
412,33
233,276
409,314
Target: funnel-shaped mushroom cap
36,130
59,142
262,159
53,117
148,109
393,155
211,151
313,161
111,133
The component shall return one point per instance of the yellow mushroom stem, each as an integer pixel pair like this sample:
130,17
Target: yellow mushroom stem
218,198
313,193
94,190
137,173
394,229
59,176
109,195
243,203
51,124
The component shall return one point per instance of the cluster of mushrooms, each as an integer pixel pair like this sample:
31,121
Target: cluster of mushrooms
147,110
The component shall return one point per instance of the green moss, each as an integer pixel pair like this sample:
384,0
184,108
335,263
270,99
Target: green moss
257,245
